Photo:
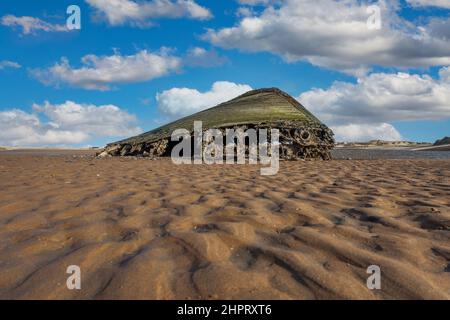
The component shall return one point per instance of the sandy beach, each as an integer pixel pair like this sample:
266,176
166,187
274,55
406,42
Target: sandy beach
143,229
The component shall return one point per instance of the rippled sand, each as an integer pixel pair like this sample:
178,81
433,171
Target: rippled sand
152,230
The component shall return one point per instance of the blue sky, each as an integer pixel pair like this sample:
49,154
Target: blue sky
150,62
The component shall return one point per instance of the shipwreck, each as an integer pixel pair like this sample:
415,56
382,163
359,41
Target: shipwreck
302,135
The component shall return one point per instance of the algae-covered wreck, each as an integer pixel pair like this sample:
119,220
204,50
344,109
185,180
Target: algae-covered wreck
302,135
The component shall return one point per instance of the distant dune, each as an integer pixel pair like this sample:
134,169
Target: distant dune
440,145
382,144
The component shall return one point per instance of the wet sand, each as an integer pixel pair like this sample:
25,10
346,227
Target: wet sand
142,229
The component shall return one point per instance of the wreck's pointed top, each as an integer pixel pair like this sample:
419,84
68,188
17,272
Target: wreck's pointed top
269,105
262,96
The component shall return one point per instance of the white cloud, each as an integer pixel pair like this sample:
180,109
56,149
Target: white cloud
18,128
140,13
31,25
430,3
439,28
185,101
200,57
335,34
257,2
444,74
367,107
382,97
244,12
9,64
67,124
107,120
99,72
366,132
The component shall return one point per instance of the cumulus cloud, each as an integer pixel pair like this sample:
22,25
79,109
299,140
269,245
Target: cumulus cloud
185,101
200,57
366,132
140,13
259,2
9,64
366,107
382,97
100,72
68,123
31,25
337,38
439,28
430,3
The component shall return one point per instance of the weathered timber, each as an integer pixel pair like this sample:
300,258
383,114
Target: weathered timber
302,135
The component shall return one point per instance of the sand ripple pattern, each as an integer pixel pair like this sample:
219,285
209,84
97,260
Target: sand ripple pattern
144,229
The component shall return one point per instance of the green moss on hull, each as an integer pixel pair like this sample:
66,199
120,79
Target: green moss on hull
263,108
